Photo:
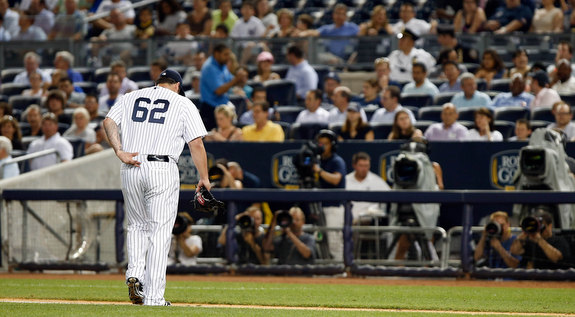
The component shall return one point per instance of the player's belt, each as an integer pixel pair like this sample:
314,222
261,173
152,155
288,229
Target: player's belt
158,158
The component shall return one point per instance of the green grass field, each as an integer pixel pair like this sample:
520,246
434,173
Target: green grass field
442,298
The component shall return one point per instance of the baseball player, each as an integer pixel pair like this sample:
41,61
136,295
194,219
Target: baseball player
155,124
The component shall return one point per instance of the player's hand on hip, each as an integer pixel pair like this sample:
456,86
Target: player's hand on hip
128,158
204,183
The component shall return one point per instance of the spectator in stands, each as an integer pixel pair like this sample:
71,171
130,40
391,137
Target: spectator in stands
547,19
185,247
520,64
31,65
36,86
156,68
226,130
446,38
200,19
145,28
113,83
402,128
262,130
542,249
564,51
304,23
563,117
402,59
544,96
110,5
266,15
250,240
354,127
447,55
370,94
337,50
448,129
181,47
451,71
409,21
285,27
91,104
510,18
33,116
522,130
293,246
377,25
198,60
330,82
248,26
80,128
362,179
170,13
8,170
215,82
74,99
300,72
4,34
564,83
341,101
241,88
232,64
517,95
390,102
259,94
56,103
127,85
10,128
420,83
64,60
102,142
382,71
313,112
69,24
491,67
470,97
195,82
50,140
483,130
224,14
44,18
470,19
493,250
265,61
122,33
11,17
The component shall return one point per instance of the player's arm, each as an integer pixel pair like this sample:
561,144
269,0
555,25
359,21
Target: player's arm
200,161
113,135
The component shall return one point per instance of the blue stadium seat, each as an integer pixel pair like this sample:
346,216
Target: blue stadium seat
289,113
62,127
471,67
306,131
568,98
11,89
86,72
542,113
501,85
468,124
416,100
280,69
146,83
322,71
432,113
369,110
506,128
286,126
88,87
414,110
443,97
481,84
139,73
536,124
467,113
101,74
22,102
423,124
381,130
438,81
511,114
8,74
78,146
286,4
239,102
336,127
280,92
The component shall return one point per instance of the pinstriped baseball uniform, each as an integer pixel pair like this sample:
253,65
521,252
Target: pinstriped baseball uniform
155,122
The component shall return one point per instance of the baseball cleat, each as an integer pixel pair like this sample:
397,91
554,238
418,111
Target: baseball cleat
166,303
135,291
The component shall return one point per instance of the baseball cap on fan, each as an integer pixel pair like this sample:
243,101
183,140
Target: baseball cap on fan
172,74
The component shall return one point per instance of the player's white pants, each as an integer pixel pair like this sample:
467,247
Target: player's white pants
334,218
151,194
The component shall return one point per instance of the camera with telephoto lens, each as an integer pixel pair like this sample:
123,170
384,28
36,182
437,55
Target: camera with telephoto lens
246,223
493,230
216,174
532,224
284,219
180,225
407,166
304,161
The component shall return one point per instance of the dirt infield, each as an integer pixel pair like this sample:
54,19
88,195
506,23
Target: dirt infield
306,280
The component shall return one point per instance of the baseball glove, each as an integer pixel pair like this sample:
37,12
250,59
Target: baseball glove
204,201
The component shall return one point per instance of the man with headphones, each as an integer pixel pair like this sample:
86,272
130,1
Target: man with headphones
331,171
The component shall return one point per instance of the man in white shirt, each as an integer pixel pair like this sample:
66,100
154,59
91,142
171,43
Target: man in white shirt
10,16
313,112
50,140
32,65
390,102
341,98
544,96
408,20
127,85
565,83
402,59
448,129
363,179
248,26
563,117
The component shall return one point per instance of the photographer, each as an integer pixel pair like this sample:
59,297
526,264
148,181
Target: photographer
493,248
185,247
249,237
540,248
293,246
331,171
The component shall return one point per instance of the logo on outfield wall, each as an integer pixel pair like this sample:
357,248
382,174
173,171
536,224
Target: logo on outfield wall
189,176
504,167
385,170
284,172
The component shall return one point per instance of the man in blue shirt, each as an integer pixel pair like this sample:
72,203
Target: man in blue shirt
517,96
510,18
470,97
215,82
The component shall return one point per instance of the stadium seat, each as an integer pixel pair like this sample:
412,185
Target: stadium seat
22,102
62,127
468,124
306,131
467,113
280,92
145,83
286,126
101,74
196,100
88,87
481,84
289,113
471,67
511,113
430,113
239,102
78,146
322,71
501,85
438,81
7,75
280,69
139,73
506,128
414,110
536,124
568,98
86,72
542,113
442,98
286,4
369,110
416,100
381,130
336,127
25,128
11,89
423,124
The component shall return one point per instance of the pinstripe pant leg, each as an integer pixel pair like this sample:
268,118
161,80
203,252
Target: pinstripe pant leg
137,226
162,200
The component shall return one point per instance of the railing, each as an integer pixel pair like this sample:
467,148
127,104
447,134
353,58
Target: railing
27,157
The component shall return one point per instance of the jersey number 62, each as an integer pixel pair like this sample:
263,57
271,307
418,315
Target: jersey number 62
140,112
